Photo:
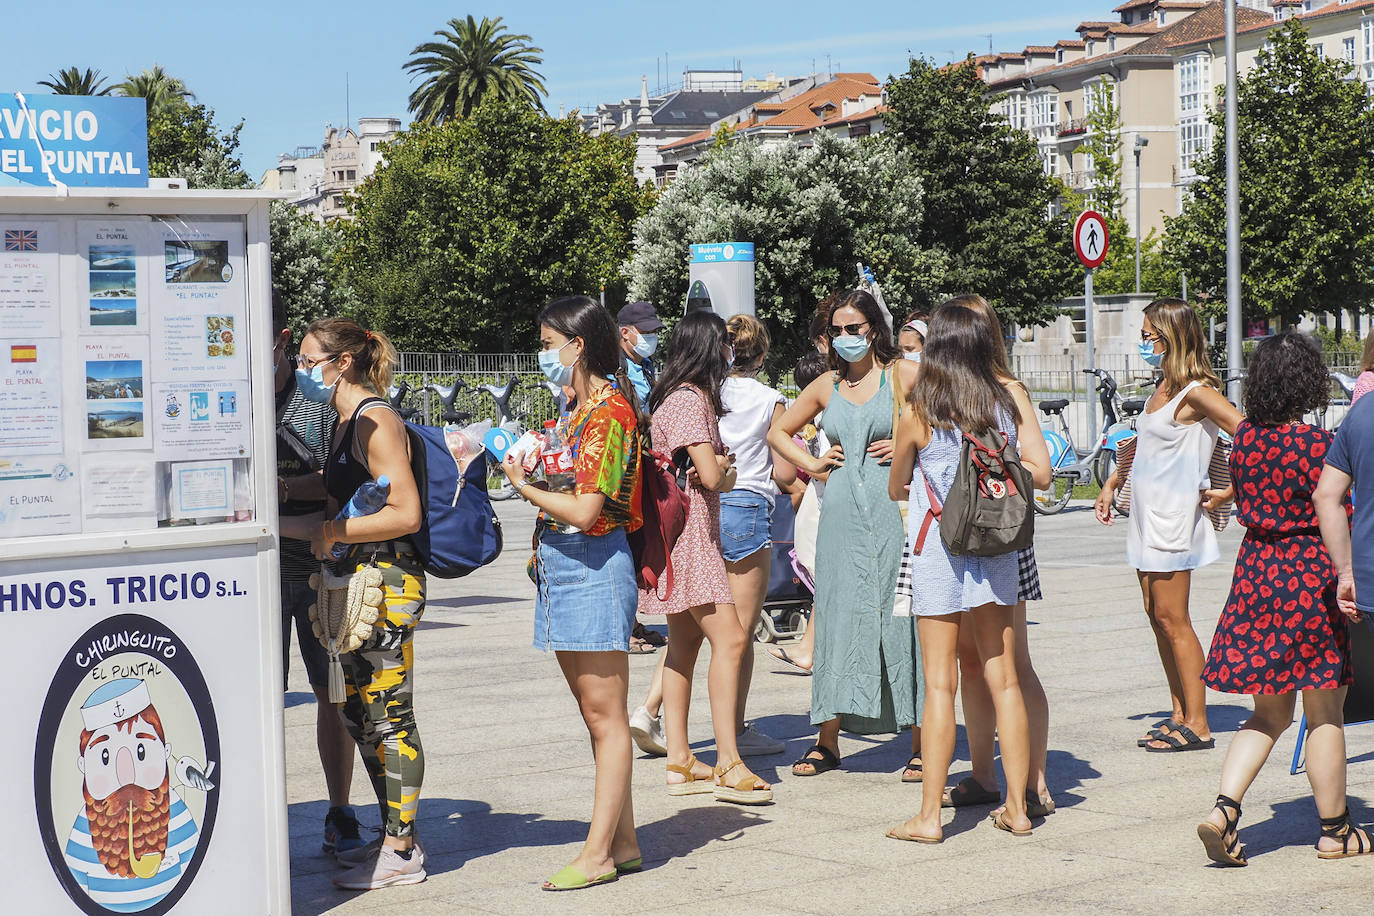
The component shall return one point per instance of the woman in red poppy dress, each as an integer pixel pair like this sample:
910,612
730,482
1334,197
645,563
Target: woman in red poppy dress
1281,631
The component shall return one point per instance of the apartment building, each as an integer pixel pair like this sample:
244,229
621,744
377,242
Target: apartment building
323,175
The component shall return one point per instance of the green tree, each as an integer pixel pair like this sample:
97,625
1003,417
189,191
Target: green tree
303,272
474,61
1306,188
160,90
472,225
1102,148
811,214
74,81
183,141
987,198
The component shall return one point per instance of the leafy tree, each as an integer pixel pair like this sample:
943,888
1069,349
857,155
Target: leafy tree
159,90
1306,188
986,195
474,61
302,267
73,81
1102,148
472,225
811,214
184,141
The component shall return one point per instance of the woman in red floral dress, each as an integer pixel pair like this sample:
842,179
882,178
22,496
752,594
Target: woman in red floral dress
1281,631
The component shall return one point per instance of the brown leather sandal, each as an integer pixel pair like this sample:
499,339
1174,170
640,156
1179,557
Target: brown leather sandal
692,784
748,791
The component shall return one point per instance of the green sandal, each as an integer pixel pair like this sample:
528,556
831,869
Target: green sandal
630,866
570,879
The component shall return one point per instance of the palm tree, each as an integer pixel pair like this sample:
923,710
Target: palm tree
158,89
475,61
72,81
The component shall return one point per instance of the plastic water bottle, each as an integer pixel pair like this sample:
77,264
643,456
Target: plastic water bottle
556,459
369,499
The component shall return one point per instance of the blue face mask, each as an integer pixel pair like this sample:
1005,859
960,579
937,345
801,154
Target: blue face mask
551,364
312,386
850,348
648,343
915,357
1147,353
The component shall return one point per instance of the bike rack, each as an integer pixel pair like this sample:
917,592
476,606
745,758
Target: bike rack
447,396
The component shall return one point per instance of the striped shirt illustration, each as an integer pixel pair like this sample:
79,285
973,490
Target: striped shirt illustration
130,895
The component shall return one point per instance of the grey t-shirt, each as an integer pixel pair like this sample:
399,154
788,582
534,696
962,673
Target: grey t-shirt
1353,453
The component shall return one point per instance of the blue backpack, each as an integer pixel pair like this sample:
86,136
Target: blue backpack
460,531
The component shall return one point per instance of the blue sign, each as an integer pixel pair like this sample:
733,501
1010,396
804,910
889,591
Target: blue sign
73,140
722,251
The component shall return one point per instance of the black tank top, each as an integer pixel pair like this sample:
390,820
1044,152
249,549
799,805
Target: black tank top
344,473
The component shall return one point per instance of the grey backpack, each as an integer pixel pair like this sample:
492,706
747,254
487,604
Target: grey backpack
988,510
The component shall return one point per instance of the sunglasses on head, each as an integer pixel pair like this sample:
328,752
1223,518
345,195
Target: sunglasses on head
852,330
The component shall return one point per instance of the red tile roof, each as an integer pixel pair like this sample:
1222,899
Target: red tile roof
1070,43
800,111
1039,49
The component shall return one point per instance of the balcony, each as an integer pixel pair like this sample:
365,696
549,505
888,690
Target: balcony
1076,127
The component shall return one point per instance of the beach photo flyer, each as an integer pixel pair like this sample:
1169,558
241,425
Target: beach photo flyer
200,300
38,496
29,289
205,419
116,389
113,281
30,396
202,489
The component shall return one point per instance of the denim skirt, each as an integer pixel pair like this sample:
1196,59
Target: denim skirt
746,524
586,594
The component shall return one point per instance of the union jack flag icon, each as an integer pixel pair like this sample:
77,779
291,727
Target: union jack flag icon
21,239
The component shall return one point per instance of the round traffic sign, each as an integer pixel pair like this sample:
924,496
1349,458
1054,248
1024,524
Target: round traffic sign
1090,239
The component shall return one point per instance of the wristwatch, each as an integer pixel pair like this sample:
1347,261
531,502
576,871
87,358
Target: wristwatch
520,487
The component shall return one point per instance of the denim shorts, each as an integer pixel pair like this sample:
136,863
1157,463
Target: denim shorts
296,598
586,594
746,524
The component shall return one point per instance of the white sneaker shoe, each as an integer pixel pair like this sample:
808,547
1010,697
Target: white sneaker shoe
368,852
647,731
753,743
389,869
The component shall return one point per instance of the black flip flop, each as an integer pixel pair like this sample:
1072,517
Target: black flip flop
1154,734
914,764
824,764
782,656
1182,738
968,791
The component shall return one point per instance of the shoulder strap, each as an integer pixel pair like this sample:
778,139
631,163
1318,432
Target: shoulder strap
896,400
932,513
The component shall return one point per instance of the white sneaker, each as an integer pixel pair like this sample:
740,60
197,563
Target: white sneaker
368,853
753,743
647,731
389,869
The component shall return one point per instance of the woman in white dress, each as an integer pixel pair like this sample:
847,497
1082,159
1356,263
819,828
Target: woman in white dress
1167,534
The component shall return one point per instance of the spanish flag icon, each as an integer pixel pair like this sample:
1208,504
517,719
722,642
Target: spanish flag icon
24,353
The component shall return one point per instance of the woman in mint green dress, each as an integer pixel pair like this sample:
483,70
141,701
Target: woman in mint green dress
867,670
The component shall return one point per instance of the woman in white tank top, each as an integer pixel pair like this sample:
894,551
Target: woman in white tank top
1168,536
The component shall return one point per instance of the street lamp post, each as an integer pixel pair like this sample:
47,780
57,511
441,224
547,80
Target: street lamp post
1140,144
1234,353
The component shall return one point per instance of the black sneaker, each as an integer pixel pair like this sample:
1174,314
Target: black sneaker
341,830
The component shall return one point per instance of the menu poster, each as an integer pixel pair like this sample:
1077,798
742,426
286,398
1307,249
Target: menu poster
200,301
116,387
29,277
118,491
30,396
38,496
205,419
113,284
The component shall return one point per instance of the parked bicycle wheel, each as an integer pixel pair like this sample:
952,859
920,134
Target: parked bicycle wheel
1055,497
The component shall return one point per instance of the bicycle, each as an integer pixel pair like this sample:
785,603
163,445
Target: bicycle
1071,467
397,395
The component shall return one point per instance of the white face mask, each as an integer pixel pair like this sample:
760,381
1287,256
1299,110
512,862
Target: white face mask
914,356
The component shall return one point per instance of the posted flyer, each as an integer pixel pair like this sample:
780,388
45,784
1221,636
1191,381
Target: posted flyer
30,396
204,419
119,491
38,496
200,301
113,281
116,372
29,288
202,489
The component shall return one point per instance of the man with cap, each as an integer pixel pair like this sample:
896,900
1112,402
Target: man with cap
639,327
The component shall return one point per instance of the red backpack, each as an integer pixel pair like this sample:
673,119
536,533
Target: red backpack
664,504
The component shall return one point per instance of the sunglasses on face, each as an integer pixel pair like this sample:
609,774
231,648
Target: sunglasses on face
1147,336
852,330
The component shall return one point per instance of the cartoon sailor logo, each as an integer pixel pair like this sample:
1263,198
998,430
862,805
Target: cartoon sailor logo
127,788
172,407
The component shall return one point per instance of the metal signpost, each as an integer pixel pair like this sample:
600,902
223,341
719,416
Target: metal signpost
1090,238
138,517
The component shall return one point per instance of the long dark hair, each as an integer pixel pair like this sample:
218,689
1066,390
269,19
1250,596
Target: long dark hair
958,384
696,356
879,334
584,317
1285,378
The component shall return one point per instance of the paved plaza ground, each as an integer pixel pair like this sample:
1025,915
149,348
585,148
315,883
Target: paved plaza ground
508,780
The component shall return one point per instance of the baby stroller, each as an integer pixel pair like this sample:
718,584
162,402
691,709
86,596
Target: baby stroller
787,606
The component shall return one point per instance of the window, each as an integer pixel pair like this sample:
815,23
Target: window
375,144
1193,139
1014,110
1161,17
1194,83
1320,49
1348,50
1059,56
1111,42
352,175
1044,109
1049,158
1101,89
1367,39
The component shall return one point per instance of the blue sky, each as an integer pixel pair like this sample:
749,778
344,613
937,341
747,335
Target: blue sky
281,66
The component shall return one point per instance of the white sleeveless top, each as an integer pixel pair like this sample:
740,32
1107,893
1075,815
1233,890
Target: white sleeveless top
1167,529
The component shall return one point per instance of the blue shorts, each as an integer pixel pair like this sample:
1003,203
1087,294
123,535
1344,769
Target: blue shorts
586,594
746,524
296,598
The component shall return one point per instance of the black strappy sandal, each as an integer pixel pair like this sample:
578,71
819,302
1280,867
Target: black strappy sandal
1340,828
824,764
1231,854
